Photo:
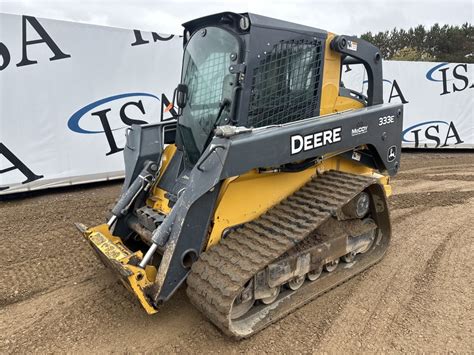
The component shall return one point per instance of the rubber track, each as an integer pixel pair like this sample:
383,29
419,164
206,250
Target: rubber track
220,273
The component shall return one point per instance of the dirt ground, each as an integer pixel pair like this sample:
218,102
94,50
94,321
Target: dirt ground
55,296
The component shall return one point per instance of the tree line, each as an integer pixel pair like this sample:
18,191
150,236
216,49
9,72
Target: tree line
445,43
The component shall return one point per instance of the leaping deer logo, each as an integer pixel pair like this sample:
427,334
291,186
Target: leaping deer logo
392,153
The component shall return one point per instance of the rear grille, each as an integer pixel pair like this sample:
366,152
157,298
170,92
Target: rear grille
285,86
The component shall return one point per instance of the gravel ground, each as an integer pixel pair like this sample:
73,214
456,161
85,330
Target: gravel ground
57,297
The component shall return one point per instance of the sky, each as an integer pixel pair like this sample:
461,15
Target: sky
342,17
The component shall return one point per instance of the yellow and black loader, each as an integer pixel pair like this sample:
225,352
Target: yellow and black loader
269,187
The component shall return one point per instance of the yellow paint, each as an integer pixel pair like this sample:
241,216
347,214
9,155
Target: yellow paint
110,249
113,249
157,199
346,103
138,281
331,78
385,181
330,100
248,196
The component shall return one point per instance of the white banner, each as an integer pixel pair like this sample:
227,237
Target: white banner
67,93
69,90
438,100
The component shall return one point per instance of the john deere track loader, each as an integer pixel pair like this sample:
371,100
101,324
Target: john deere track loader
270,188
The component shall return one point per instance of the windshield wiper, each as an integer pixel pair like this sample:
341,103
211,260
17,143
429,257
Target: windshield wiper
223,104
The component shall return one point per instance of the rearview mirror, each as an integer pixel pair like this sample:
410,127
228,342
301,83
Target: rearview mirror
181,95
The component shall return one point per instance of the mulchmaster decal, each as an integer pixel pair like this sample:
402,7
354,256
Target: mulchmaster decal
301,143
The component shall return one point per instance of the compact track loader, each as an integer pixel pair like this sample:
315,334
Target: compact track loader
269,188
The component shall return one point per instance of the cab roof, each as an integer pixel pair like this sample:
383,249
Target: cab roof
232,19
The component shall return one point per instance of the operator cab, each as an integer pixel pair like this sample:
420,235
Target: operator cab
254,71
224,54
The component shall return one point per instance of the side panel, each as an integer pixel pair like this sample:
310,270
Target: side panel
247,197
274,146
250,195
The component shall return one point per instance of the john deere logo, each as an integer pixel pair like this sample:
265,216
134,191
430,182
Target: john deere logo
311,141
392,153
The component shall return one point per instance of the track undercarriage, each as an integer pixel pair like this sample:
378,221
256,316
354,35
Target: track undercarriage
266,268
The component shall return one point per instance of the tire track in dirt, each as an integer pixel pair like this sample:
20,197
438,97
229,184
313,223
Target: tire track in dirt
440,177
366,322
94,315
430,199
49,268
451,261
41,248
377,324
